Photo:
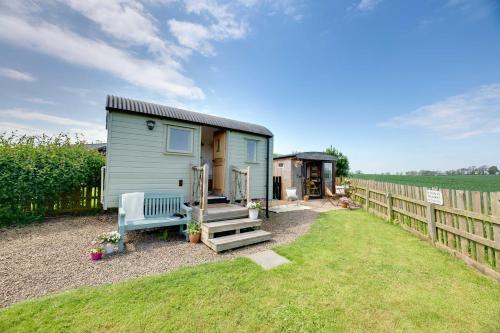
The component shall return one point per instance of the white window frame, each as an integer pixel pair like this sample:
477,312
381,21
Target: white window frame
191,143
246,150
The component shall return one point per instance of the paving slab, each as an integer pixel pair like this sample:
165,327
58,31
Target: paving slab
288,208
268,259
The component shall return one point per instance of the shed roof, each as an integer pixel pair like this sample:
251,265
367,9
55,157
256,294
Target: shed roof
122,104
309,155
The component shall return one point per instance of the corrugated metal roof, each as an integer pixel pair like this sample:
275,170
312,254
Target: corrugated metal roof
310,155
115,103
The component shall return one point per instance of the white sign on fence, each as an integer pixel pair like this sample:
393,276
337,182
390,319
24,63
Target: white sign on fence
435,197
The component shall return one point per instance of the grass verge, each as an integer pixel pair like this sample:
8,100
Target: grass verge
351,272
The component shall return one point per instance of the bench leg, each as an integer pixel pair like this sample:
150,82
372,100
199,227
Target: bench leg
121,243
182,231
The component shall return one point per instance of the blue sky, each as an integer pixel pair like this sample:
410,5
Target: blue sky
396,85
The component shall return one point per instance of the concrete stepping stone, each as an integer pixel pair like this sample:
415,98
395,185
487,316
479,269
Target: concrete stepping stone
268,259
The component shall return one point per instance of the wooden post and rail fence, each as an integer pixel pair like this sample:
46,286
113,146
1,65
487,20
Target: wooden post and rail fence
464,223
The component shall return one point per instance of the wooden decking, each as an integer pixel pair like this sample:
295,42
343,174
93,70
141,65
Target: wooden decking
217,212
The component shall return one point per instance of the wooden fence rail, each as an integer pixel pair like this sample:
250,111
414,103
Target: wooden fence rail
86,199
466,225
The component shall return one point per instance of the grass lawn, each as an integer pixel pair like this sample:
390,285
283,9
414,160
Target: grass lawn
351,272
471,183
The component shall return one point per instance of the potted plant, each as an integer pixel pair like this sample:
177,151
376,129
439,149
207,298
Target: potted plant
194,232
306,197
96,253
253,210
344,202
109,240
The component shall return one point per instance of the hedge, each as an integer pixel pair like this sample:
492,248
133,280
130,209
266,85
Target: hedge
36,171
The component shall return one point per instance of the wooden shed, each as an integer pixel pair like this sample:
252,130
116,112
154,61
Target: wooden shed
312,173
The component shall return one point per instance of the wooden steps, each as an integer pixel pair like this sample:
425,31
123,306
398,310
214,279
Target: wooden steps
217,212
227,226
238,240
214,199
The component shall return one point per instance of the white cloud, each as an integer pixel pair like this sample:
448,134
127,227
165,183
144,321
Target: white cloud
132,29
223,25
192,35
289,8
53,124
474,113
367,5
82,92
38,100
126,20
66,45
43,117
16,75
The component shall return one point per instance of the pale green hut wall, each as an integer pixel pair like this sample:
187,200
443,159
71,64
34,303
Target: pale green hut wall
237,152
137,160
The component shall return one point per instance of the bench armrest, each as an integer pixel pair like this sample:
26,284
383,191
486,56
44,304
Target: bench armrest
188,211
121,216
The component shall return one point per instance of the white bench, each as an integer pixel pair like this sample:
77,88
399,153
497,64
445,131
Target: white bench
161,209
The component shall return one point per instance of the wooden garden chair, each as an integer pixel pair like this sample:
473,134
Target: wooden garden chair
329,197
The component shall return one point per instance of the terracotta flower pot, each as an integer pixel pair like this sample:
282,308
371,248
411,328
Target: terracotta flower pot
344,204
96,256
195,238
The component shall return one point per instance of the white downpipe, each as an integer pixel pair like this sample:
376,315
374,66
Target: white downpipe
103,173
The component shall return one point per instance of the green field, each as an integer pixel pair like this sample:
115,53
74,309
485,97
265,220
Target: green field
352,272
471,183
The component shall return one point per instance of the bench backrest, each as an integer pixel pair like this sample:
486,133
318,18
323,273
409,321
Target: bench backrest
162,204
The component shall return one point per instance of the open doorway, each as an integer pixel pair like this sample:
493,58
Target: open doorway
213,154
219,162
313,179
206,156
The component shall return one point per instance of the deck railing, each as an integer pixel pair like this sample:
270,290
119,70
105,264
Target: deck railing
240,185
199,186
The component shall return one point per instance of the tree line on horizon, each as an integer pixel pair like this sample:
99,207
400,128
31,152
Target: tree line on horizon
472,170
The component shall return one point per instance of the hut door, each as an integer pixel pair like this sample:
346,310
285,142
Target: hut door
314,184
219,162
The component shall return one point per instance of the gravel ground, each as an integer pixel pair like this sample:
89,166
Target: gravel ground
53,256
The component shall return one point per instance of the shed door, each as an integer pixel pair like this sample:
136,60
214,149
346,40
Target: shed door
219,161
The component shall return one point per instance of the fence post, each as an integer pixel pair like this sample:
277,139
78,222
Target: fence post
389,206
367,196
431,222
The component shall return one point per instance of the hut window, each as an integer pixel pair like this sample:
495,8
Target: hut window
281,165
251,150
180,139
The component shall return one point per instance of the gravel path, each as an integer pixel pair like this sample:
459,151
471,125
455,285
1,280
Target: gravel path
53,256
